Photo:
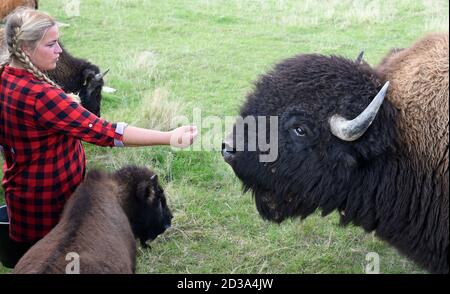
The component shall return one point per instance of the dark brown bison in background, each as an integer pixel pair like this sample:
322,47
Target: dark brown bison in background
391,177
100,223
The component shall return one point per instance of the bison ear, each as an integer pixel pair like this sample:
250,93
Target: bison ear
144,191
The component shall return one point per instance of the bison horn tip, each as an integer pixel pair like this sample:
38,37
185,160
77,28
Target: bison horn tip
351,130
101,75
360,57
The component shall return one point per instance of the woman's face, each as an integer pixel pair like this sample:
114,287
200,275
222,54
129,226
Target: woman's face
47,51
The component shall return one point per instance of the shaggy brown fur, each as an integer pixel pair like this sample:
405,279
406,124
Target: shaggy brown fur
419,89
100,223
7,6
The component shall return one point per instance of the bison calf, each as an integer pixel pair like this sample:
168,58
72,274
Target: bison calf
100,223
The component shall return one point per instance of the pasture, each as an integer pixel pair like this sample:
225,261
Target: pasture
167,58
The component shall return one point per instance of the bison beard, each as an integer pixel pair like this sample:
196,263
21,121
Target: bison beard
378,181
100,223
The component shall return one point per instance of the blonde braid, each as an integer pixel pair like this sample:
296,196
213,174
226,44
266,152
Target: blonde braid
26,62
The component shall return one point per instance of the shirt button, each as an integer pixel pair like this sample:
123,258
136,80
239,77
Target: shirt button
90,125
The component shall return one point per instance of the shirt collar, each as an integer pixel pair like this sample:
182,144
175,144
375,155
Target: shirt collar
17,71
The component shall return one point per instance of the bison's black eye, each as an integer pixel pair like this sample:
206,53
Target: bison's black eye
299,132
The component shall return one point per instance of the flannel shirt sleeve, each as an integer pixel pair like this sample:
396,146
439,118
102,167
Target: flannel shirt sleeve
57,111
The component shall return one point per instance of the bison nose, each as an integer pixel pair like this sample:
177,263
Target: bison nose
227,151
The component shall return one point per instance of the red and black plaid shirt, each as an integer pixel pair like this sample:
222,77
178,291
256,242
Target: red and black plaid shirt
40,132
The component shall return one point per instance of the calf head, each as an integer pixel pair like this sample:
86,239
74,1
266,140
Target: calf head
147,208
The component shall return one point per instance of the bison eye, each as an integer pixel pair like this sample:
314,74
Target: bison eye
299,132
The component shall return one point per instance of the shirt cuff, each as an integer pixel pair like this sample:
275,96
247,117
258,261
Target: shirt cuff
120,128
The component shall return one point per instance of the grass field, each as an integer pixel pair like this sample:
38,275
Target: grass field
168,57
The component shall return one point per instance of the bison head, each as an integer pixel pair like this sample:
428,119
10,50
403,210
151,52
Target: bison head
324,107
91,91
148,211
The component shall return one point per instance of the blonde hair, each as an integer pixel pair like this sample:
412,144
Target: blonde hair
26,26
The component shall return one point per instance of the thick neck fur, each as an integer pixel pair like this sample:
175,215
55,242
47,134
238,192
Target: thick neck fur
91,214
403,203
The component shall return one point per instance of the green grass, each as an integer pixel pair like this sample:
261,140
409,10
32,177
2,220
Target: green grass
205,54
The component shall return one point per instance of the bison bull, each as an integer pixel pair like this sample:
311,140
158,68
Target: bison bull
384,169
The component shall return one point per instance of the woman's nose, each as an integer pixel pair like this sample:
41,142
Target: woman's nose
58,48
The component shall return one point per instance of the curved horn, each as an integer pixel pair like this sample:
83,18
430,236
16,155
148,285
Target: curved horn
351,130
101,75
360,57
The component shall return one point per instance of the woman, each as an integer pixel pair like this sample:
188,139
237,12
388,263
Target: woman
41,129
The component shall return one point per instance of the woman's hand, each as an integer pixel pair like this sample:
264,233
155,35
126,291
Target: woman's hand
183,137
